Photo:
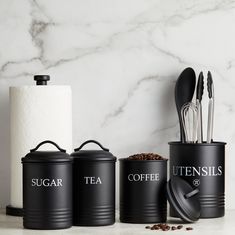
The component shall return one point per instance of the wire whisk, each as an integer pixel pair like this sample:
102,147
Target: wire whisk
189,115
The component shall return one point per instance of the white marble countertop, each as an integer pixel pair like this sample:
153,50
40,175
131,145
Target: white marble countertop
10,225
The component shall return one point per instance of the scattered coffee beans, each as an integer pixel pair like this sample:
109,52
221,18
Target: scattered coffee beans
146,156
167,227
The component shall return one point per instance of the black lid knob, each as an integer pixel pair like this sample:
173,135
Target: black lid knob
41,79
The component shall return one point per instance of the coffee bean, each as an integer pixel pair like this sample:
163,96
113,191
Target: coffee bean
179,226
166,227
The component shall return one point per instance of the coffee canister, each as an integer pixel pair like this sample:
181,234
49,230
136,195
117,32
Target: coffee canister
143,196
93,186
47,189
203,166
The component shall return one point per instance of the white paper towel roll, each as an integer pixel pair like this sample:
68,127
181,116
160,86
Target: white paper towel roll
37,113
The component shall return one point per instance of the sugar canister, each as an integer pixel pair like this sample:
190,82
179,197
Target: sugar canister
47,189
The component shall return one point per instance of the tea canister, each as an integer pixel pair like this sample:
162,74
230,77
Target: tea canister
47,189
93,186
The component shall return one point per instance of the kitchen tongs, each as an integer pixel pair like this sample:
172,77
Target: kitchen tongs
210,123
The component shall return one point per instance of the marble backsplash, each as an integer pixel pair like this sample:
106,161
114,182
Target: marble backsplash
122,59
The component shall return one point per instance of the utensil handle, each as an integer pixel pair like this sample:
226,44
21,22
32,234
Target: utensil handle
199,128
210,121
182,131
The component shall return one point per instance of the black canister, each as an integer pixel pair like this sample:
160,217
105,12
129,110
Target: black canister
93,186
47,189
203,166
143,191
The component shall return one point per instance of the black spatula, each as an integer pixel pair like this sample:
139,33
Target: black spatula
184,90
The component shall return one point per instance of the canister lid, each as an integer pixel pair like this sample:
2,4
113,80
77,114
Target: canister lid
93,155
184,199
47,156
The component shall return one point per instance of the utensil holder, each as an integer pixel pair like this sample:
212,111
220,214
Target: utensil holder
143,191
203,166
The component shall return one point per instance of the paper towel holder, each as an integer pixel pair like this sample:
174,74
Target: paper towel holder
23,97
41,79
10,210
14,211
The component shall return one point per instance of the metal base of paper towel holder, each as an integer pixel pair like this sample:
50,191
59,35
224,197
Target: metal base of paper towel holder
14,211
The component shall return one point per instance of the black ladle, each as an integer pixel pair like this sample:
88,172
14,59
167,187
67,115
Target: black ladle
184,90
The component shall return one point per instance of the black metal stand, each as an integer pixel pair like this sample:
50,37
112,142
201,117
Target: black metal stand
14,211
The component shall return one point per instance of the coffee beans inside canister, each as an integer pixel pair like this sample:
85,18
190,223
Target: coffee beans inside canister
146,156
